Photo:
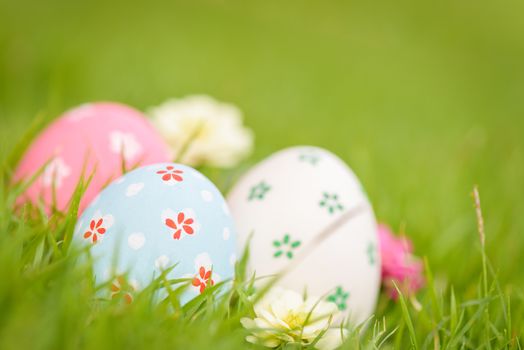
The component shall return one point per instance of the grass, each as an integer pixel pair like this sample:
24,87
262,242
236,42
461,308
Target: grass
422,99
48,300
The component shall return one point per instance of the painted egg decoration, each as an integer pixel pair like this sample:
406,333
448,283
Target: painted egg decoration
95,138
307,213
156,217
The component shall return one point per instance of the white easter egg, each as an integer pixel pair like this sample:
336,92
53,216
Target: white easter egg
310,218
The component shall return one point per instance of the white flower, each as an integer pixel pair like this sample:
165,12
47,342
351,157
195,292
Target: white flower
284,316
201,130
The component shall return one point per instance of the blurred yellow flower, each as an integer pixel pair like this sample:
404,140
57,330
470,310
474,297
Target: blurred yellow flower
203,131
284,316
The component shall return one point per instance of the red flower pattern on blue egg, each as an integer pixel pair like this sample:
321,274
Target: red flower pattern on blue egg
182,224
98,226
171,175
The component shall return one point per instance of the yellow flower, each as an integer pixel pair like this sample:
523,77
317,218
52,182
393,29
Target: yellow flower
284,316
203,131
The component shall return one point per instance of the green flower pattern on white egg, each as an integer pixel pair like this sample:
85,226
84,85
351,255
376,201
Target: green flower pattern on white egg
305,189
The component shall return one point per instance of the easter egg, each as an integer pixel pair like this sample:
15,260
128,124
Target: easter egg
309,220
154,218
97,138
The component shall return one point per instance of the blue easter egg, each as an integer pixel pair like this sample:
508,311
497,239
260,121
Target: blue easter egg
156,217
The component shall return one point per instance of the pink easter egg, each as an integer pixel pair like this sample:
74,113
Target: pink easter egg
95,138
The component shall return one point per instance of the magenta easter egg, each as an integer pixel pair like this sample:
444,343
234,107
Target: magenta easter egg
95,138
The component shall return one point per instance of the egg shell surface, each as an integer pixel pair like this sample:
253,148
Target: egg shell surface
155,217
95,138
285,202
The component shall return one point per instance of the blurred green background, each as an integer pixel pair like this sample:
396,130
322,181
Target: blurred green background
422,99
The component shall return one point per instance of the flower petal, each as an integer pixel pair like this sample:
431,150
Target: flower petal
332,339
248,323
171,223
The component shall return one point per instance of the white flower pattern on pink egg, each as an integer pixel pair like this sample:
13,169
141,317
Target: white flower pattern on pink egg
55,172
125,144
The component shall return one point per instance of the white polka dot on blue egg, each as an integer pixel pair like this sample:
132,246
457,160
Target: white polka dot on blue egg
156,217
